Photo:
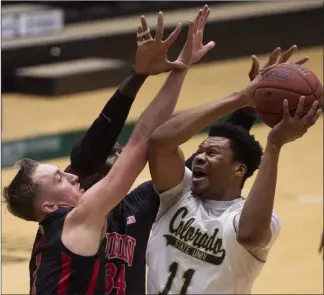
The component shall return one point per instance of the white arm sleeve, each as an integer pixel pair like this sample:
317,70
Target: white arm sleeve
170,197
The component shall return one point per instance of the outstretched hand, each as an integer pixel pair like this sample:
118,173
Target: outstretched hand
194,49
151,55
276,57
293,127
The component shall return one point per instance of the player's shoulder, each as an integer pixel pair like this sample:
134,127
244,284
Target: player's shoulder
237,207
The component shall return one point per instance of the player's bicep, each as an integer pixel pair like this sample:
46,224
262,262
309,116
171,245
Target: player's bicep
102,197
274,229
82,236
166,167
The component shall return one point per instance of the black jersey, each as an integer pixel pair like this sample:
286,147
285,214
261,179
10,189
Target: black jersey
129,226
56,270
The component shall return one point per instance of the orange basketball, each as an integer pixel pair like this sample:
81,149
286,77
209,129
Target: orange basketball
286,81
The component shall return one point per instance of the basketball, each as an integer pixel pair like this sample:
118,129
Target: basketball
286,81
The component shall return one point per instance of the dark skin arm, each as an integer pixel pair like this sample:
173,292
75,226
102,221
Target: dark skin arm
89,155
88,158
254,231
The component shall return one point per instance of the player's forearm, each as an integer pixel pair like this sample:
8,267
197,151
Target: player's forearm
132,84
90,155
107,193
183,126
254,225
111,190
162,106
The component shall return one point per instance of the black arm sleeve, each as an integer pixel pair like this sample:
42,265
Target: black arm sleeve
240,117
89,155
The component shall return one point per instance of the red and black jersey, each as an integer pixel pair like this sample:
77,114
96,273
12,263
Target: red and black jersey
56,270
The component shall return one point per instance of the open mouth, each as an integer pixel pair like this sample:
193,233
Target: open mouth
199,173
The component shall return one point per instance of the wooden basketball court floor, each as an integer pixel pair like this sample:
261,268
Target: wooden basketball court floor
294,265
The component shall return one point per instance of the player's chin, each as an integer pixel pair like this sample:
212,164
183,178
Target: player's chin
199,186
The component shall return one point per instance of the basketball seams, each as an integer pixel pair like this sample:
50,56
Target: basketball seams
302,76
284,89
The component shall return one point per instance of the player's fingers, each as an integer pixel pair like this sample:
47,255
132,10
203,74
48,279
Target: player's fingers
139,32
264,70
285,109
273,57
310,118
203,17
174,35
320,101
144,23
288,54
254,71
196,21
300,108
206,17
302,61
209,46
317,115
159,27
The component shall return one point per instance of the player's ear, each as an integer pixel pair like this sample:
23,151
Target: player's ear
240,169
48,207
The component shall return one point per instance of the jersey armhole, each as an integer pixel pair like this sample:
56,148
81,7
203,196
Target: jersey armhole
251,253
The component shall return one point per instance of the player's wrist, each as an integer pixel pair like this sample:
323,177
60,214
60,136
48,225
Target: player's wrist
274,145
134,71
132,83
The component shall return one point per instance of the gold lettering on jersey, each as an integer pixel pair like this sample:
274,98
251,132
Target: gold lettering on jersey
204,247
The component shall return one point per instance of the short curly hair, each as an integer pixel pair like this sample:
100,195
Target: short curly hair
244,146
21,192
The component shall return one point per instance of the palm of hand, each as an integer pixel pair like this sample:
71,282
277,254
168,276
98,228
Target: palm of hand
151,59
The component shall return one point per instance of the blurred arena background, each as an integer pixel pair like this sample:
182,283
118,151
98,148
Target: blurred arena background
61,61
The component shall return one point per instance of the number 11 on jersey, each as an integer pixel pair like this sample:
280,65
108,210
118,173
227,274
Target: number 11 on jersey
187,276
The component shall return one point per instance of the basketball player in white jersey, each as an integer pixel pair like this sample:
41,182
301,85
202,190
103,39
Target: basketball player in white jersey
207,239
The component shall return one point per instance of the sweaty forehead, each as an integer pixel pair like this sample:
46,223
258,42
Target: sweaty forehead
215,141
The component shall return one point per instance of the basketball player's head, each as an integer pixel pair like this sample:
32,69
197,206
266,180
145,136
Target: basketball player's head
224,161
89,180
40,189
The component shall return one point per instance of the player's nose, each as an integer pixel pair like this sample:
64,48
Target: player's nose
200,158
73,178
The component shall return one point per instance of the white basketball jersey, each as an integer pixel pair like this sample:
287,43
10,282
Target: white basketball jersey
193,247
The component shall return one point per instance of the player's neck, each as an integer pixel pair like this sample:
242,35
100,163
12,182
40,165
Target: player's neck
226,195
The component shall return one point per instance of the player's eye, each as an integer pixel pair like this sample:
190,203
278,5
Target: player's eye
212,153
60,178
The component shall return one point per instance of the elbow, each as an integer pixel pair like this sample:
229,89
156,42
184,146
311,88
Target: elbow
155,144
254,240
